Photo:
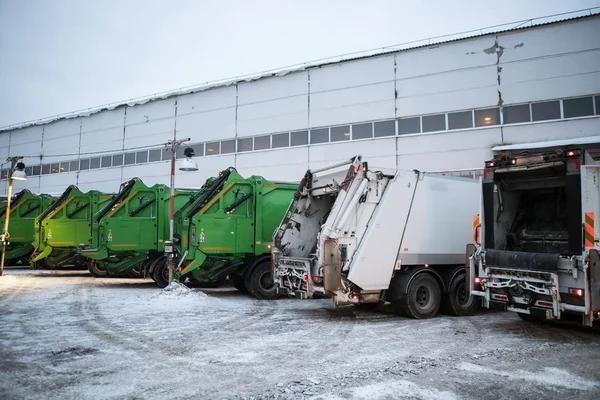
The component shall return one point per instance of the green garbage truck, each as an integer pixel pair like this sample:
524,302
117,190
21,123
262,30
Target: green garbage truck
65,225
227,231
130,232
24,208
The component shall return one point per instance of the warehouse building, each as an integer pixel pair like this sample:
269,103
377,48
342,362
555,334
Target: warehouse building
437,107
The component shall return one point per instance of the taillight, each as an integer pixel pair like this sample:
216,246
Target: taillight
305,277
576,291
477,280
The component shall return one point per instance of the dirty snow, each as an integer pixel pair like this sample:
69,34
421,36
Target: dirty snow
64,334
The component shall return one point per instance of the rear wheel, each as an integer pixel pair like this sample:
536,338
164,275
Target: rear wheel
137,271
238,282
97,269
458,301
160,272
260,283
422,299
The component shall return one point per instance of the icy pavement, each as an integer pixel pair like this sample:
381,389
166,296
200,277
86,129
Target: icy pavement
64,334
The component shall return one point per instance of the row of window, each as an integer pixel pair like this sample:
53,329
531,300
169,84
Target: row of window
522,113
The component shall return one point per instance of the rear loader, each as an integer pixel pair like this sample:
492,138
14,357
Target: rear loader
537,253
227,231
65,226
372,235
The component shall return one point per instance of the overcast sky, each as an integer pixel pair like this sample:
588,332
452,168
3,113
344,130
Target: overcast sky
61,55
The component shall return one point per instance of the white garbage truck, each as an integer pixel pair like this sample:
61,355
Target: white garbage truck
368,235
538,248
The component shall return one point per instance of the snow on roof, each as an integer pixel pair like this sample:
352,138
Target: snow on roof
518,25
549,143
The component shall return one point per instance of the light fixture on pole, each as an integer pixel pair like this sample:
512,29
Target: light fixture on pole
188,164
17,172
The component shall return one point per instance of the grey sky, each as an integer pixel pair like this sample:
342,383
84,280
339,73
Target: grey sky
64,55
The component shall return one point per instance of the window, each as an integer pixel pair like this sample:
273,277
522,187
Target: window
84,164
45,169
264,142
198,149
280,140
212,148
597,101
244,145
434,123
37,170
340,133
106,161
362,131
4,174
94,163
29,171
74,166
54,168
319,135
385,128
578,107
141,157
64,166
545,110
166,154
487,116
129,158
460,120
299,138
227,146
154,155
409,125
117,160
516,114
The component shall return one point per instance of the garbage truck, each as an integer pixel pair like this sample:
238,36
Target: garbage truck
537,248
25,207
372,235
65,225
226,232
130,232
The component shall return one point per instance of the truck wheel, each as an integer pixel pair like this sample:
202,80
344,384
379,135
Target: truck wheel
238,282
422,299
260,283
97,269
458,302
137,271
160,273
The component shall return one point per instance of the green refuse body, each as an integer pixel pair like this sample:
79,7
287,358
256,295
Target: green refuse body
227,231
24,208
130,232
65,226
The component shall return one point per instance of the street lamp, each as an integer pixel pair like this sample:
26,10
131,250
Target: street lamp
188,164
17,172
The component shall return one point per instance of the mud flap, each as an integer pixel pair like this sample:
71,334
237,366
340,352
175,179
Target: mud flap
594,278
332,266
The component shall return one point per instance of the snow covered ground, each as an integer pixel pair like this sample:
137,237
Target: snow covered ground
64,334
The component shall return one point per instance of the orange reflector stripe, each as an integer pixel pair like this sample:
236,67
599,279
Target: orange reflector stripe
589,229
476,226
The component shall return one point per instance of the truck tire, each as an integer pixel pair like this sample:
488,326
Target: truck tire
458,302
137,271
160,272
260,284
422,298
97,269
238,282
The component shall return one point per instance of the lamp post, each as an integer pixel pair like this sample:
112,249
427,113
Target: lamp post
16,172
188,164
